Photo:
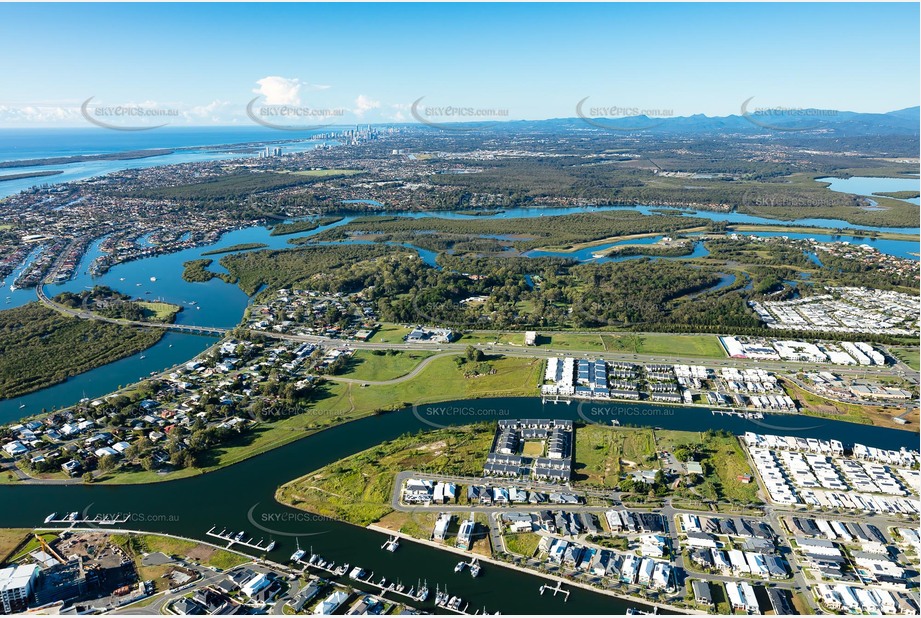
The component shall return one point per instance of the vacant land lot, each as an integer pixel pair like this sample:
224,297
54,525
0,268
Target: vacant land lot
358,489
603,454
10,539
814,405
671,345
376,366
724,462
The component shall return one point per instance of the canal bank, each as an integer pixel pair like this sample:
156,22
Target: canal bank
241,496
554,578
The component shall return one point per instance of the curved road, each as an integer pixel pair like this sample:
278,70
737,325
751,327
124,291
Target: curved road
899,368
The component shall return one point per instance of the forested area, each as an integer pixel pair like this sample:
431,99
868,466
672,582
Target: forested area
40,347
523,234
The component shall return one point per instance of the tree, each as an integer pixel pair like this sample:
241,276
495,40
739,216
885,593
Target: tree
87,477
108,463
474,354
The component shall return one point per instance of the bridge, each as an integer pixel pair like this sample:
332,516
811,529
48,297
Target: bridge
89,315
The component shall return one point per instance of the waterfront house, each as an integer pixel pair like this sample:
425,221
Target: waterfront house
702,593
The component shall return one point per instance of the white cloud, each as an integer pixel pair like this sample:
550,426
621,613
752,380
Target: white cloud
216,111
39,114
284,91
280,90
364,104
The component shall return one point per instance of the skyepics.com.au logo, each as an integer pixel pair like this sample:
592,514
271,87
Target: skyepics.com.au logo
128,117
442,416
606,413
287,522
785,118
768,197
456,117
278,410
87,518
625,119
293,117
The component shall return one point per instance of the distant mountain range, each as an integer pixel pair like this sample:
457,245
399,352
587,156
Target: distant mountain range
755,121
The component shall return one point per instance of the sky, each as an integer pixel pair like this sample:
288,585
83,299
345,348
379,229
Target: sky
203,63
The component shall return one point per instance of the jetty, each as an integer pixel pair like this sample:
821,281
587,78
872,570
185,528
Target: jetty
450,603
558,589
75,518
240,538
392,544
748,415
317,562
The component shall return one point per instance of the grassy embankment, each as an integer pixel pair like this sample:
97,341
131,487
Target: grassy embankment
337,403
814,405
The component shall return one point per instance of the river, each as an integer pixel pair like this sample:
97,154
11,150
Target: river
868,185
241,496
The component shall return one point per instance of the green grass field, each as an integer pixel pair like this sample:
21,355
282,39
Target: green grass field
366,365
724,457
10,539
671,345
441,380
161,312
533,448
909,356
390,333
603,453
492,337
587,343
707,346
524,544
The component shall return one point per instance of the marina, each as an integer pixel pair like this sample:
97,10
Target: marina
240,538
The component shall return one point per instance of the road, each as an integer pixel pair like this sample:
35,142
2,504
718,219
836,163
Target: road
506,349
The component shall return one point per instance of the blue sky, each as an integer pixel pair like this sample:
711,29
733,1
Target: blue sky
373,60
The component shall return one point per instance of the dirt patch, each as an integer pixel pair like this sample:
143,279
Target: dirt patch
437,447
201,553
